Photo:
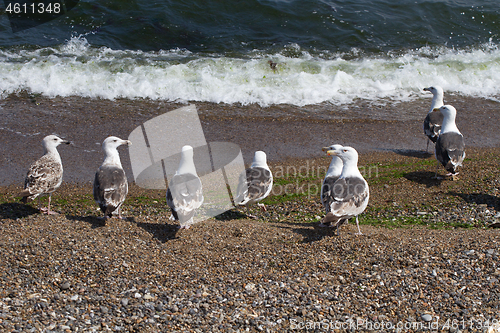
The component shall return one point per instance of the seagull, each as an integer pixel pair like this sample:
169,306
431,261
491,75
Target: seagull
350,192
255,183
185,191
433,120
333,173
45,175
110,182
450,146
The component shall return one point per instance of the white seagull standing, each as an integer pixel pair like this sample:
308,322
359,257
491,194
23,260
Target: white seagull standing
110,182
350,191
255,183
450,145
185,191
434,120
45,175
333,173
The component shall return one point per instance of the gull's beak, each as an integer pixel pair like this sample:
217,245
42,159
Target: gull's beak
127,142
66,142
426,89
325,149
436,110
331,153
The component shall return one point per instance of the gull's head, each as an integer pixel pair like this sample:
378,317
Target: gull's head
346,154
259,159
52,141
435,90
448,111
330,148
114,142
187,152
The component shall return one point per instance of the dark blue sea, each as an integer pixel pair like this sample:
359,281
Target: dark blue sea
267,52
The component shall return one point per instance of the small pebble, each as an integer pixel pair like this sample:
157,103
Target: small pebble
426,317
250,286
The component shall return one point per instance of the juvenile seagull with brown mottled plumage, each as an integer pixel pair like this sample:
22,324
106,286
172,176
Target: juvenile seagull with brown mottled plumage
45,175
349,193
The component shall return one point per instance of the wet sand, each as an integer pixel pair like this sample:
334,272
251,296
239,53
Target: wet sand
283,131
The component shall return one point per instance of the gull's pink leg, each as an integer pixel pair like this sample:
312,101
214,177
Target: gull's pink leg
49,212
359,230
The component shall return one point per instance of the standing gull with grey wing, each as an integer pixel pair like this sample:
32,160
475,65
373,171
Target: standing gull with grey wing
350,191
110,182
333,173
45,175
450,145
185,190
255,183
434,120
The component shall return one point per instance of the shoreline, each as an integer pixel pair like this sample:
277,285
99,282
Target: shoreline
282,131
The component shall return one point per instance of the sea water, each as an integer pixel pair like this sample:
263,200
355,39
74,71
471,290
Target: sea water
264,52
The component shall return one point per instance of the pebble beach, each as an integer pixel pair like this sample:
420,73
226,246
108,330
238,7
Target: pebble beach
428,259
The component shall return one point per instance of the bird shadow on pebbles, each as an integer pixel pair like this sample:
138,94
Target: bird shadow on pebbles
14,210
309,234
231,215
161,231
479,199
95,221
423,177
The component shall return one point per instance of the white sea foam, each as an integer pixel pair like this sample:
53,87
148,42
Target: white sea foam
77,68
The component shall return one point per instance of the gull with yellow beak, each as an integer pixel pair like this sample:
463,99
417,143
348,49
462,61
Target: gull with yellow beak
110,182
434,120
348,196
